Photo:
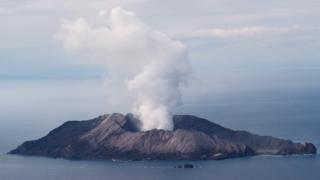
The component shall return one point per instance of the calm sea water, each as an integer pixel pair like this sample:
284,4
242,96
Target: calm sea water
255,168
290,117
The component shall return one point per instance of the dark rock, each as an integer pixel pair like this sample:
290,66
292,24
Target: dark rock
185,166
309,148
117,136
188,166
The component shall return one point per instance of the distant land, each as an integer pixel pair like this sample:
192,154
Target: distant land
116,137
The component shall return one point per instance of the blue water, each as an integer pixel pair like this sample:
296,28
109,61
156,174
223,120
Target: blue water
291,116
256,168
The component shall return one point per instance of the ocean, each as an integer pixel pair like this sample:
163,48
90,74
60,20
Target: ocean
255,168
291,116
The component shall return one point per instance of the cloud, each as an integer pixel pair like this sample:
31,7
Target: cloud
11,7
250,31
153,66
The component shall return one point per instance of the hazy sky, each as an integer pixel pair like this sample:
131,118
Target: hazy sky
234,45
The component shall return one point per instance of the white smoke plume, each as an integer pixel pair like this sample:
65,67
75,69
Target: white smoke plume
153,66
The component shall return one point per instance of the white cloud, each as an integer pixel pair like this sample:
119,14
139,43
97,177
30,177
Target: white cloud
9,7
26,23
250,31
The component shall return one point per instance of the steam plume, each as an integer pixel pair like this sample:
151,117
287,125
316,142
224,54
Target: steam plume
154,66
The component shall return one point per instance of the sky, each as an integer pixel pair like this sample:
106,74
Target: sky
234,46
